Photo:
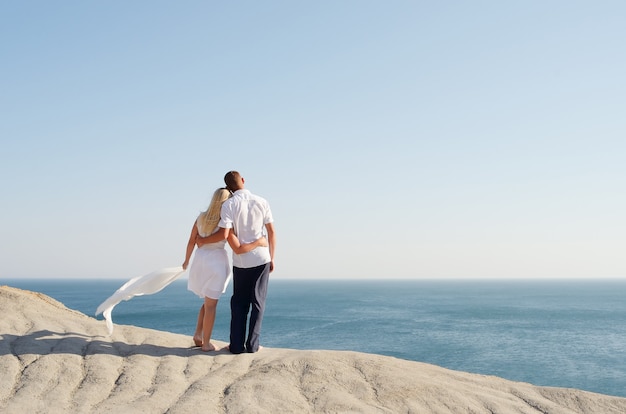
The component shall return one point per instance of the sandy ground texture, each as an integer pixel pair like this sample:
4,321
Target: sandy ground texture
57,360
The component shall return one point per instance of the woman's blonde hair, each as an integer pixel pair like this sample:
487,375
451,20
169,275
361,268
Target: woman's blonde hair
208,220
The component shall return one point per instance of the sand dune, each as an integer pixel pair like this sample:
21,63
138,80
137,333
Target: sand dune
56,360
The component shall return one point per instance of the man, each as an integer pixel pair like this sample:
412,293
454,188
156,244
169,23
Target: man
250,217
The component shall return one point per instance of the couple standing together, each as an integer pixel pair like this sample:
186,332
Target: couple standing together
244,220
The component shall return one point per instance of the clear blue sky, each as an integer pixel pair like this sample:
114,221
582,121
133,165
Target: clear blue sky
393,139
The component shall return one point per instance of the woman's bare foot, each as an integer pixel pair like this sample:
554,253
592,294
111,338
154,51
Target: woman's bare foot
208,347
197,340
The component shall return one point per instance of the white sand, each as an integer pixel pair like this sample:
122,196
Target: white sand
56,360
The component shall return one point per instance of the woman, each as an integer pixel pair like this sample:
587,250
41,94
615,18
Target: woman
210,270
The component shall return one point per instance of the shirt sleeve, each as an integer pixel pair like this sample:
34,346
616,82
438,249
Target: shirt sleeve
226,217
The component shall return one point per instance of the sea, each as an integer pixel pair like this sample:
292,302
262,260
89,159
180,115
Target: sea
560,333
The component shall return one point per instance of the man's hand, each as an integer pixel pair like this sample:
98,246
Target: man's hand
200,241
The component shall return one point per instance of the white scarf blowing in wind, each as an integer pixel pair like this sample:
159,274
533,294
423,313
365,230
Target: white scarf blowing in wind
142,285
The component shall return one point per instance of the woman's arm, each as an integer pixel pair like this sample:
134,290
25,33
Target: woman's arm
190,245
239,248
218,236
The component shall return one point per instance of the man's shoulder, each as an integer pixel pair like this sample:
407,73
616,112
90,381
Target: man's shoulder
259,199
247,194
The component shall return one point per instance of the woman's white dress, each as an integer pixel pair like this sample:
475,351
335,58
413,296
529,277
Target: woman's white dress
209,275
210,271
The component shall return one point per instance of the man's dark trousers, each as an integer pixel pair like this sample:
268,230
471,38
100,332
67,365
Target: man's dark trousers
249,292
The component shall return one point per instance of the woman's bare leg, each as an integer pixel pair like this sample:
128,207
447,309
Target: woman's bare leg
210,307
197,336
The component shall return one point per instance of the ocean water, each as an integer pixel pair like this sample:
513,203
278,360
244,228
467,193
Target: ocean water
562,333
